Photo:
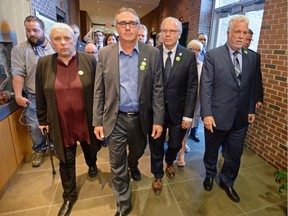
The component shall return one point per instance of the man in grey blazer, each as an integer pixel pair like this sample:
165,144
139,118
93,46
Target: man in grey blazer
227,95
128,102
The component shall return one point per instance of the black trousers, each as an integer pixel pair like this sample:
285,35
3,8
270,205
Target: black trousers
68,171
232,143
176,135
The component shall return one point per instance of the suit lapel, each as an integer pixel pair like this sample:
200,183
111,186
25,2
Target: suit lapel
141,70
175,62
227,57
244,66
115,66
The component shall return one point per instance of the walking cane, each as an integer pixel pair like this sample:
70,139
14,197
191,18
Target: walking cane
50,151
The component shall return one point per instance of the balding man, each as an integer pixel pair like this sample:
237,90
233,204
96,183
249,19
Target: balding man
91,49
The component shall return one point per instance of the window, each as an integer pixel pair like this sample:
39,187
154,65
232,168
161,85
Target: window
222,13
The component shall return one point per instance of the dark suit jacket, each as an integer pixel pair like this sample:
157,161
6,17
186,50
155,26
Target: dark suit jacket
220,94
180,92
80,46
259,85
107,88
47,111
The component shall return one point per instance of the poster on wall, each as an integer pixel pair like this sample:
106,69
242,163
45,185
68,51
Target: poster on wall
47,22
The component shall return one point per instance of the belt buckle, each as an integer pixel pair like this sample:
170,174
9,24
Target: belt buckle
130,114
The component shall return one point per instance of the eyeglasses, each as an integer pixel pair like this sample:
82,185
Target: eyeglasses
93,52
195,49
131,24
170,31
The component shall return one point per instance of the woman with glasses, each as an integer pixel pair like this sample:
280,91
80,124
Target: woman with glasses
197,47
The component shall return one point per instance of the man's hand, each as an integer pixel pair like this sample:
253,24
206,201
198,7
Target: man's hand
251,118
99,132
22,101
209,123
258,104
186,124
156,131
42,127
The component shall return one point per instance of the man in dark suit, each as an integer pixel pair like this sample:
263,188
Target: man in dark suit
180,93
80,46
227,95
259,85
128,102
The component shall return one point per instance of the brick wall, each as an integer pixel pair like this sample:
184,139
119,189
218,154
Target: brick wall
196,12
48,8
267,137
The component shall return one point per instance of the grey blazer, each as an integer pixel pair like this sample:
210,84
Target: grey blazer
107,88
220,95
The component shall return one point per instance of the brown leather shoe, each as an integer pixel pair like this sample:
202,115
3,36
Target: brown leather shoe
157,186
170,171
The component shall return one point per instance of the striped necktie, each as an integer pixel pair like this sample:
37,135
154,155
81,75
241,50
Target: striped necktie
237,66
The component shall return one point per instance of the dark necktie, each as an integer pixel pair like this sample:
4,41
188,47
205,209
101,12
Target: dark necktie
237,66
99,47
168,66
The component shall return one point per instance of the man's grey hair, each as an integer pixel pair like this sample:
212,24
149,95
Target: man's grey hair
172,19
62,26
237,18
143,27
129,10
195,43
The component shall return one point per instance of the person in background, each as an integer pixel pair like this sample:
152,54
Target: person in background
259,84
180,96
111,38
142,33
128,102
80,46
24,58
201,37
91,49
64,88
227,97
196,47
150,42
159,40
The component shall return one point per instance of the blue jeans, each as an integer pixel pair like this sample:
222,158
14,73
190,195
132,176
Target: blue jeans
38,139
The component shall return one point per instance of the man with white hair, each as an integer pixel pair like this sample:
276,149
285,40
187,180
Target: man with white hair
142,33
180,94
227,96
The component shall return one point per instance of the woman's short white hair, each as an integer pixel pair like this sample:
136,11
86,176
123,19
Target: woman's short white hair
62,26
195,43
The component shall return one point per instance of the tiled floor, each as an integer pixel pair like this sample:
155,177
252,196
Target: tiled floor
33,191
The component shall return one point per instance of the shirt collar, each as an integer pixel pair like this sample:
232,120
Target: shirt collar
173,50
136,48
232,51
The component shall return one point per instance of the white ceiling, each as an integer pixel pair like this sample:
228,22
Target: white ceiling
103,11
